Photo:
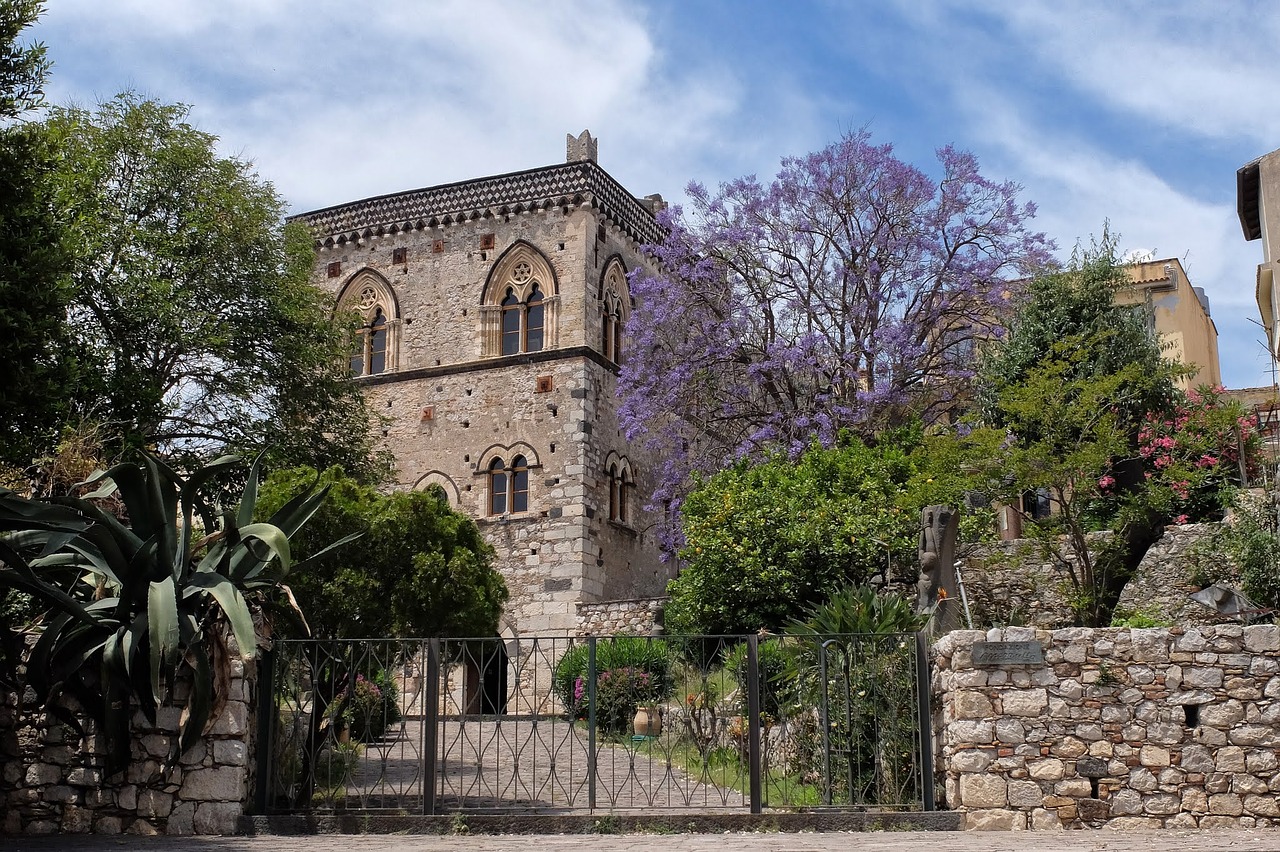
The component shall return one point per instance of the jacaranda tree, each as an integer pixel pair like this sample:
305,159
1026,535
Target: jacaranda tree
843,294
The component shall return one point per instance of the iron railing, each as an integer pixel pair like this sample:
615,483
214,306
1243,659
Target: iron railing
712,723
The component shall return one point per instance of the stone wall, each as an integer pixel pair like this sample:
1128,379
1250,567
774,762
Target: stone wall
1014,583
1147,728
634,617
54,781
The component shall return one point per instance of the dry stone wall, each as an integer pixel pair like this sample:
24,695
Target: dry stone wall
54,780
1172,728
1015,583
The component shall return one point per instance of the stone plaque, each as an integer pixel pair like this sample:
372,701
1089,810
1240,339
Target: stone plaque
1007,653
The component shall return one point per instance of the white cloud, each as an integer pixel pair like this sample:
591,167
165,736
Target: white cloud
1184,64
335,104
1079,186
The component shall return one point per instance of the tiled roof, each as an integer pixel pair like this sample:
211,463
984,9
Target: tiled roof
563,185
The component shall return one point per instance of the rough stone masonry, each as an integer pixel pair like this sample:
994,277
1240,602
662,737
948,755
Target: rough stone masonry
1172,728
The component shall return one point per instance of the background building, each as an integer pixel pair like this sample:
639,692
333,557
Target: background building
1179,314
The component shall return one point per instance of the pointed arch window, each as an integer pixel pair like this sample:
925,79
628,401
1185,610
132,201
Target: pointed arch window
533,321
613,314
511,317
611,344
497,487
619,475
508,486
519,484
373,349
522,322
519,308
370,357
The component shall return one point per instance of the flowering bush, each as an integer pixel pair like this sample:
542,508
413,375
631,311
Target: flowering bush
630,671
619,692
1190,458
371,709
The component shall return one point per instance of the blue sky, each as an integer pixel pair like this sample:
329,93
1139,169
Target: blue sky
1134,112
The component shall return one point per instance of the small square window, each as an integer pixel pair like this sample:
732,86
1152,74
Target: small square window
544,385
487,242
335,269
400,255
428,413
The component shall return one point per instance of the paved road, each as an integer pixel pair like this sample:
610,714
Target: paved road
1262,840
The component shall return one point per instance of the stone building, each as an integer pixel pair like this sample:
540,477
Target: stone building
493,313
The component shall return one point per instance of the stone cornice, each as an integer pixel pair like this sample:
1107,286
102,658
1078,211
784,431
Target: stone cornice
560,186
483,364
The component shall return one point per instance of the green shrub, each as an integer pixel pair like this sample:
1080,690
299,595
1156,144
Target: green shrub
630,670
777,692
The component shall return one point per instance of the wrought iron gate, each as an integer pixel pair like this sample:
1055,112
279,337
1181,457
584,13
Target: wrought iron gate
712,723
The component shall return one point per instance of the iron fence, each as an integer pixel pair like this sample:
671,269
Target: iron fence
555,724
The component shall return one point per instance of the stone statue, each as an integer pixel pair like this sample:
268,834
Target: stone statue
939,526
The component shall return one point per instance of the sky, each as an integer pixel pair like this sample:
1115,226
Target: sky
1136,114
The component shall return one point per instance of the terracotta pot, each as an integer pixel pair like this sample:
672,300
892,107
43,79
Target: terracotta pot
648,722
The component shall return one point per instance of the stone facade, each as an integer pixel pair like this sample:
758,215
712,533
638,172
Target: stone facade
54,781
636,617
1172,728
436,274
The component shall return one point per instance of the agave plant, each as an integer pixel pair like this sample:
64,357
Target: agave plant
134,607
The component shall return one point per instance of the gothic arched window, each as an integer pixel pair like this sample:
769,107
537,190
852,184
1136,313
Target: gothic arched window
519,306
497,487
613,315
508,486
373,350
619,475
512,312
533,321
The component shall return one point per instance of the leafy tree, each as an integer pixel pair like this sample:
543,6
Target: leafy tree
132,607
23,68
190,298
767,541
1072,312
1073,383
34,346
838,296
419,569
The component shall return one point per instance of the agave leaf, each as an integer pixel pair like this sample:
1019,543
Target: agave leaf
113,538
214,557
19,513
162,502
292,515
270,535
192,504
116,713
131,481
162,629
346,539
199,702
18,575
249,499
291,612
233,605
106,489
